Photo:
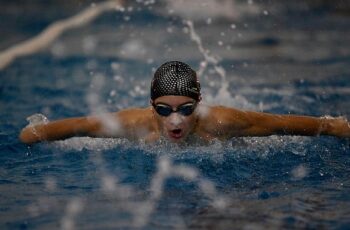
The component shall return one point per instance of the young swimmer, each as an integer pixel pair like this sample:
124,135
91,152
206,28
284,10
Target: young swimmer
176,114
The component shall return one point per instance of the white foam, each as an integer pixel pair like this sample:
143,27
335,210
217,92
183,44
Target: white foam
89,143
37,119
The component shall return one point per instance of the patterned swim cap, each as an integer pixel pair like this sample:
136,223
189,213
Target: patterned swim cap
175,78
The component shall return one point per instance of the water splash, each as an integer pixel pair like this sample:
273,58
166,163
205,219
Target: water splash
109,121
74,207
51,33
141,210
223,96
300,172
37,119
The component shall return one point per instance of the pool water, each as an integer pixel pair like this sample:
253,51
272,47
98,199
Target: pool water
264,56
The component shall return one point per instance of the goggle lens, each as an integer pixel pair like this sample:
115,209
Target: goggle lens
166,110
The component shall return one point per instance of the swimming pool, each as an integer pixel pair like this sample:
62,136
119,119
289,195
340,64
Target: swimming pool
290,58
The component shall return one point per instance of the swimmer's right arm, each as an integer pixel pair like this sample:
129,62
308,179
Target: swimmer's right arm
131,124
61,129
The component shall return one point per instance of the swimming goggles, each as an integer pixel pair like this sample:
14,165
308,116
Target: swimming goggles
165,110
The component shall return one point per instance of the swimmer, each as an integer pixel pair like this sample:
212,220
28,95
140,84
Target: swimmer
176,113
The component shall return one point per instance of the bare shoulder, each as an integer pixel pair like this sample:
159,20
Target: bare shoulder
136,112
135,116
219,121
222,115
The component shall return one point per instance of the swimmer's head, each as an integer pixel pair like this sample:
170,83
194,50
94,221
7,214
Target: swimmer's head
177,79
175,93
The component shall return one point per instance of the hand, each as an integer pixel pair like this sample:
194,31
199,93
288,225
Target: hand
337,126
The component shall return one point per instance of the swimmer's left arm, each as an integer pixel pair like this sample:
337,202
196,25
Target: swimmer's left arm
246,123
268,124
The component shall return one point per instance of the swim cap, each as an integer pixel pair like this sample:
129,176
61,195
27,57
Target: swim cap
175,78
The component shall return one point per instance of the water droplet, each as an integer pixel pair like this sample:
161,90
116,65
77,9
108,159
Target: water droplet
300,172
115,66
185,30
58,49
126,18
209,21
170,30
89,44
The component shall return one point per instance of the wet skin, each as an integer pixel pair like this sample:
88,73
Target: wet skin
176,127
206,122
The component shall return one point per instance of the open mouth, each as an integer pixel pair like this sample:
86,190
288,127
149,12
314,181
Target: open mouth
176,133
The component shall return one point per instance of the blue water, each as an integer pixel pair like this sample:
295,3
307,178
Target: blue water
293,58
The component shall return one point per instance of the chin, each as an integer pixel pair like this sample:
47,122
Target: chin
176,140
179,140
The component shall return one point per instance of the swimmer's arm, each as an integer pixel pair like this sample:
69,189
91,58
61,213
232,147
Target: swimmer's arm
61,129
268,124
131,124
246,123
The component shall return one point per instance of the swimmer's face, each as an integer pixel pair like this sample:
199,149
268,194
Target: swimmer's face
176,126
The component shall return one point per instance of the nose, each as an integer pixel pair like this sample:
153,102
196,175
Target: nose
175,119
